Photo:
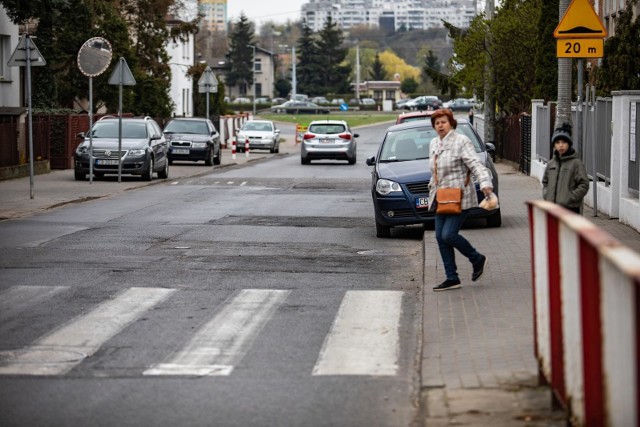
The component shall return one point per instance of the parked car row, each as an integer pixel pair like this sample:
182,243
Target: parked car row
431,102
299,107
142,148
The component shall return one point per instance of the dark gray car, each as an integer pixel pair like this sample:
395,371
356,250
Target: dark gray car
143,149
193,139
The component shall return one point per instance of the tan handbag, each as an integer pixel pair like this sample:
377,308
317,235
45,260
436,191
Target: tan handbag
448,199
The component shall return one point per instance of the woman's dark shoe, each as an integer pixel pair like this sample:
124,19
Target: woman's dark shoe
478,268
447,285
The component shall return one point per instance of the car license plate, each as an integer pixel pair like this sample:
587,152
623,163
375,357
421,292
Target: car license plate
422,202
180,151
326,141
107,162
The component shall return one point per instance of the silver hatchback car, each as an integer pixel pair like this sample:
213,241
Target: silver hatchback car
328,139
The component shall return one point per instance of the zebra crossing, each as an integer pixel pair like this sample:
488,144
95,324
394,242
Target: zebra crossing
363,339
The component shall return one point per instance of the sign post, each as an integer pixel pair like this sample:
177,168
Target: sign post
93,59
208,84
27,55
120,76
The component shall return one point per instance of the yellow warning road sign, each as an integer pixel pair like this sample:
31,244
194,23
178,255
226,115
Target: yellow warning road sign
580,48
580,21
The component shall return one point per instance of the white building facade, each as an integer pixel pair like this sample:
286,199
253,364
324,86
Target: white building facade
181,58
392,14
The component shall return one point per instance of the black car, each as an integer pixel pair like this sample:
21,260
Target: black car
143,149
401,175
193,139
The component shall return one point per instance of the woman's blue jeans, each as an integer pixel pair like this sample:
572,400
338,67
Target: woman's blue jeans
448,237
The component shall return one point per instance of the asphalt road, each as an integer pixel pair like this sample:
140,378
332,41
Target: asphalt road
249,296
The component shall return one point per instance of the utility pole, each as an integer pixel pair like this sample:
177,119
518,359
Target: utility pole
358,73
253,77
293,72
489,86
563,111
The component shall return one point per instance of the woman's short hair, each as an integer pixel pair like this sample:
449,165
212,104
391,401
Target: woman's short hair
444,112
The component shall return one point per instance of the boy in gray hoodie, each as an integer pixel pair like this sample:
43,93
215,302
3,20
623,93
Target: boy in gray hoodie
565,179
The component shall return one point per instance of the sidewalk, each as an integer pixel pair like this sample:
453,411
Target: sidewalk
59,188
478,364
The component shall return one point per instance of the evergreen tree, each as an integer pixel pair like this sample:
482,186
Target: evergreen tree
310,74
620,68
377,72
331,57
431,63
241,55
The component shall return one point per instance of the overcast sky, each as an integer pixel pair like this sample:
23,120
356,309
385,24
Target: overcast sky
259,11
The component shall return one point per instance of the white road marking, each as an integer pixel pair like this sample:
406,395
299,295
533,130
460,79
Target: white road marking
222,342
364,338
243,183
58,352
17,298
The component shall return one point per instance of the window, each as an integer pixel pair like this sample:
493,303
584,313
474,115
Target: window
258,65
5,54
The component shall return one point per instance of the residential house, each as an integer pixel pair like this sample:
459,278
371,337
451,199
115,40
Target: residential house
264,77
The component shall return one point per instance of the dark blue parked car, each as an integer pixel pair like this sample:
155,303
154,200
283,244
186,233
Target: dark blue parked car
401,175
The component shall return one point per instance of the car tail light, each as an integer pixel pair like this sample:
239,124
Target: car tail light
346,136
309,136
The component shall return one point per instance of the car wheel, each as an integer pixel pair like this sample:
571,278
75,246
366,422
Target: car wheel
209,160
304,161
278,148
352,160
148,173
217,159
495,220
79,176
164,173
170,161
382,231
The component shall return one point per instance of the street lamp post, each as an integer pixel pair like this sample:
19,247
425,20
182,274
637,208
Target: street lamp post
253,77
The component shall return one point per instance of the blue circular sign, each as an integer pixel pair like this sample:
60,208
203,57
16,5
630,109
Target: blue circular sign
344,107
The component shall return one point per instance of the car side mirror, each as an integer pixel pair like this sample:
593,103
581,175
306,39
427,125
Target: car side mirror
491,149
80,135
155,137
371,161
356,135
237,129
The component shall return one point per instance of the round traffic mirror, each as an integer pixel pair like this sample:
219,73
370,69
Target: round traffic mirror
94,56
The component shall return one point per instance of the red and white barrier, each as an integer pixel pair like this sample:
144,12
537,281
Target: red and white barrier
586,288
233,148
246,147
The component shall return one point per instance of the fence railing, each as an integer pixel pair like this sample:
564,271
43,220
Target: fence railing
586,288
